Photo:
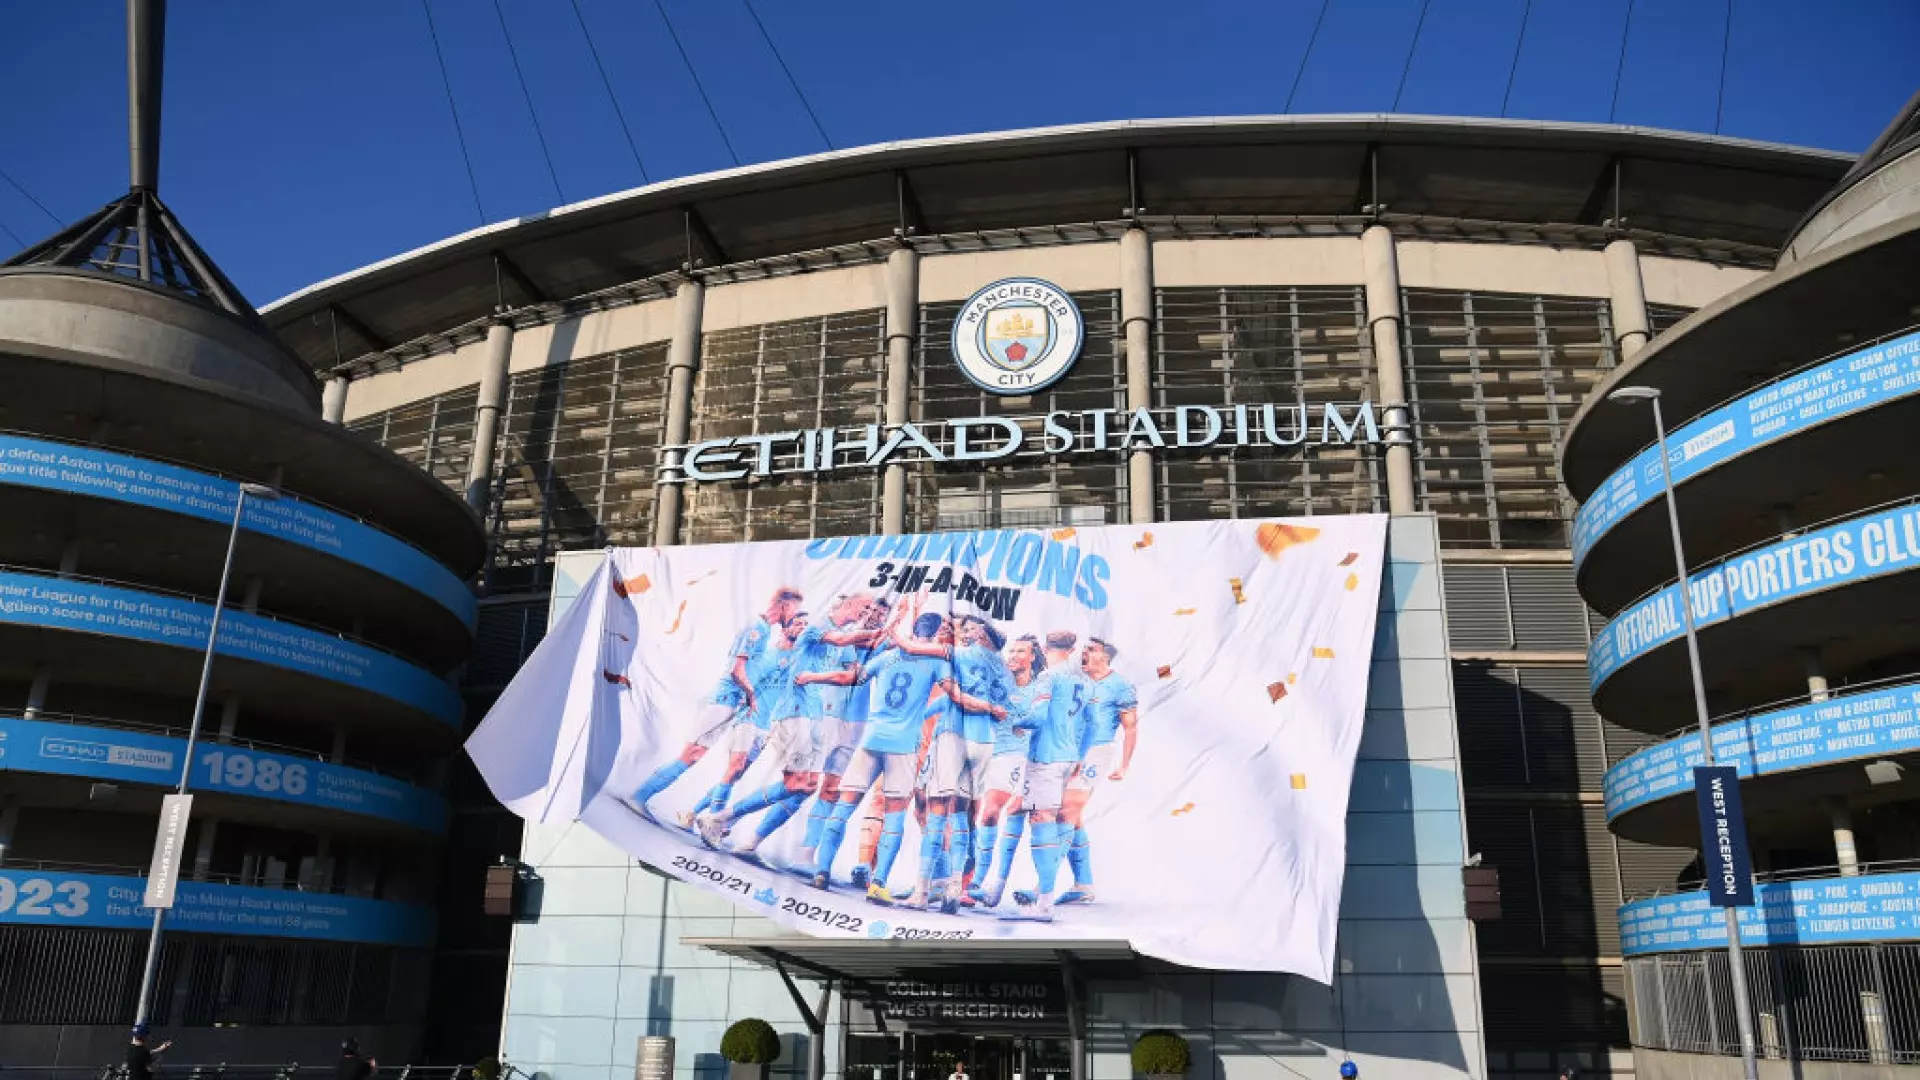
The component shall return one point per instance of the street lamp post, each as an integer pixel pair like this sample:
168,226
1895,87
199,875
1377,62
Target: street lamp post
247,491
1743,1011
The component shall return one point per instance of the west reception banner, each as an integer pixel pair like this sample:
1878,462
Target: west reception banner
1114,733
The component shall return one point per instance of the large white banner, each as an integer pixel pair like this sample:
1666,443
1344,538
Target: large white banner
1118,733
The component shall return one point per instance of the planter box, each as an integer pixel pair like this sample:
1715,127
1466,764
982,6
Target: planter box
737,1070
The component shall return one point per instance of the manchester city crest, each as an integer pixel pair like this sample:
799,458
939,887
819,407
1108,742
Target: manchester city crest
1017,336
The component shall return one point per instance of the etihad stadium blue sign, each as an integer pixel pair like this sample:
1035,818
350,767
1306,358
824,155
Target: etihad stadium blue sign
81,470
111,901
1868,724
1822,911
89,607
1855,550
133,757
1853,383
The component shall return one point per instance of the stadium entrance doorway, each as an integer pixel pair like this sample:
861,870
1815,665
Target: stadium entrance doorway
919,1055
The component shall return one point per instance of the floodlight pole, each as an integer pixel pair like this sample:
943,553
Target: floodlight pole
265,494
1743,1010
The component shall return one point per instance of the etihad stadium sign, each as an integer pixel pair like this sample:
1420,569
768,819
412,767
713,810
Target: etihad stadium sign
1015,338
987,439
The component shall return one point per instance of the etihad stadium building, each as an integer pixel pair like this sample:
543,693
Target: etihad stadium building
1379,314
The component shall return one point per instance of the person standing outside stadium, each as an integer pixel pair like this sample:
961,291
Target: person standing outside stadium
734,699
140,1057
1113,708
1052,756
1007,771
804,707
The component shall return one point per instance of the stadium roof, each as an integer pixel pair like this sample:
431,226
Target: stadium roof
1704,196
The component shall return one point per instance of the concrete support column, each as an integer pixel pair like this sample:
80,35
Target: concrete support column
903,327
1136,322
203,849
683,363
1845,856
1380,262
333,400
486,415
229,717
37,691
1628,299
9,823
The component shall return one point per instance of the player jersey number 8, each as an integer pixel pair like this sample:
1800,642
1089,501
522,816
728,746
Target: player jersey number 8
897,686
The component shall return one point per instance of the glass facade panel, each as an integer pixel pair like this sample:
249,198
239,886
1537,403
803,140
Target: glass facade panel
1257,346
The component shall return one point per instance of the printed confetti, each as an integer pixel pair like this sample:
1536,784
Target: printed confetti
1239,596
1187,809
1064,534
1322,653
1299,780
632,586
1276,691
1275,538
1184,610
677,616
703,577
1352,556
1353,582
1145,541
1166,672
1292,677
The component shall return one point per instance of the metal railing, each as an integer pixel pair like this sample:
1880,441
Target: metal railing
1852,1003
1798,873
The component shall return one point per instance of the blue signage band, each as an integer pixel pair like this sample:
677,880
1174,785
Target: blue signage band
56,603
1872,545
104,753
1871,723
1817,911
1861,380
112,901
102,474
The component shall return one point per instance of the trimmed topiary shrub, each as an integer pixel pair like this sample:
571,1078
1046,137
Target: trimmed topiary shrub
750,1042
1160,1053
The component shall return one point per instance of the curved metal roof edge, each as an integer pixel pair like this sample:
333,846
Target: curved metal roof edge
1356,122
1900,136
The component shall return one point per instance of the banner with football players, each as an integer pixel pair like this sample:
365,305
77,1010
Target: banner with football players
1139,733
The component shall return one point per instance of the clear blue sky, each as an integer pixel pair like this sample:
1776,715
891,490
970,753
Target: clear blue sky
305,139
